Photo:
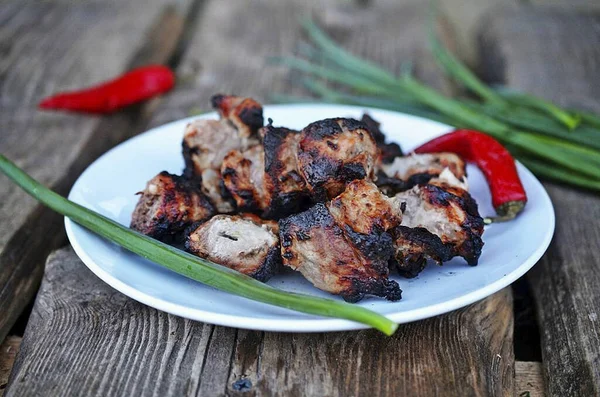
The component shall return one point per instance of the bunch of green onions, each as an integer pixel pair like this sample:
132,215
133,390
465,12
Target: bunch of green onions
554,143
191,266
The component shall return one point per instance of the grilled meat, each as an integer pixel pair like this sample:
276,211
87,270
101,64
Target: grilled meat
405,172
242,243
451,215
341,248
243,175
287,189
245,114
389,151
413,246
333,152
264,179
364,209
207,142
168,205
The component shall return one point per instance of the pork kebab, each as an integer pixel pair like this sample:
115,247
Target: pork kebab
332,201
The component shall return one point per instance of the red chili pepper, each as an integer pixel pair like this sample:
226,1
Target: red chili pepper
496,163
132,87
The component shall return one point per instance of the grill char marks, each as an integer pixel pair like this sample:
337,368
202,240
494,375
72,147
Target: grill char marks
242,243
405,172
245,114
450,214
333,152
346,259
413,246
207,142
169,204
389,151
289,193
243,176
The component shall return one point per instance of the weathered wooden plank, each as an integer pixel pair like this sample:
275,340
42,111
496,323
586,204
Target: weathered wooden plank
580,5
85,338
556,55
529,379
51,47
232,57
8,353
467,352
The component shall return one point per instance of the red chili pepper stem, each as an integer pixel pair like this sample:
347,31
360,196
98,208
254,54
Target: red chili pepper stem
506,212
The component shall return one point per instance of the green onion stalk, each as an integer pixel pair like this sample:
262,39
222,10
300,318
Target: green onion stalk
558,144
190,266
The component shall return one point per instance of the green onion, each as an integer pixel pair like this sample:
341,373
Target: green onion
571,121
191,266
565,141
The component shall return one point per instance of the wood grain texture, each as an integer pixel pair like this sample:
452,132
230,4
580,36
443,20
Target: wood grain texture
468,352
529,379
556,55
50,47
580,5
85,338
233,57
8,353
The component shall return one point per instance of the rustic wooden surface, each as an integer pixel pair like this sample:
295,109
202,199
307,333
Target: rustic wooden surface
80,328
202,359
8,353
56,46
529,379
556,54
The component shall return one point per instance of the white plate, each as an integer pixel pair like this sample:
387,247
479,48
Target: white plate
109,185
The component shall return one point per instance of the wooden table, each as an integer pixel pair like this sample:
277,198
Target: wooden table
84,338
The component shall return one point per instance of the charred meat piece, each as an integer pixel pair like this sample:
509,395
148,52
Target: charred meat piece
416,169
347,259
205,145
364,209
265,179
389,151
451,215
239,243
207,142
333,152
287,189
245,114
243,175
168,205
413,246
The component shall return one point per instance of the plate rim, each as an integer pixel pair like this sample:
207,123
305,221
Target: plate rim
323,324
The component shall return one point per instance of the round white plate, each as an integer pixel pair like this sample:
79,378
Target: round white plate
109,185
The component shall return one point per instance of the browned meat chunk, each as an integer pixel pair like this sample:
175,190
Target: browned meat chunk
337,254
333,152
413,246
288,190
245,114
388,151
405,172
207,142
168,205
243,175
364,209
451,215
265,179
240,243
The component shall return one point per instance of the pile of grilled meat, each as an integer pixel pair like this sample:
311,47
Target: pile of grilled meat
333,201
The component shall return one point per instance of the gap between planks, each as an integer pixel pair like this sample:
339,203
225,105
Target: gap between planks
24,254
8,353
